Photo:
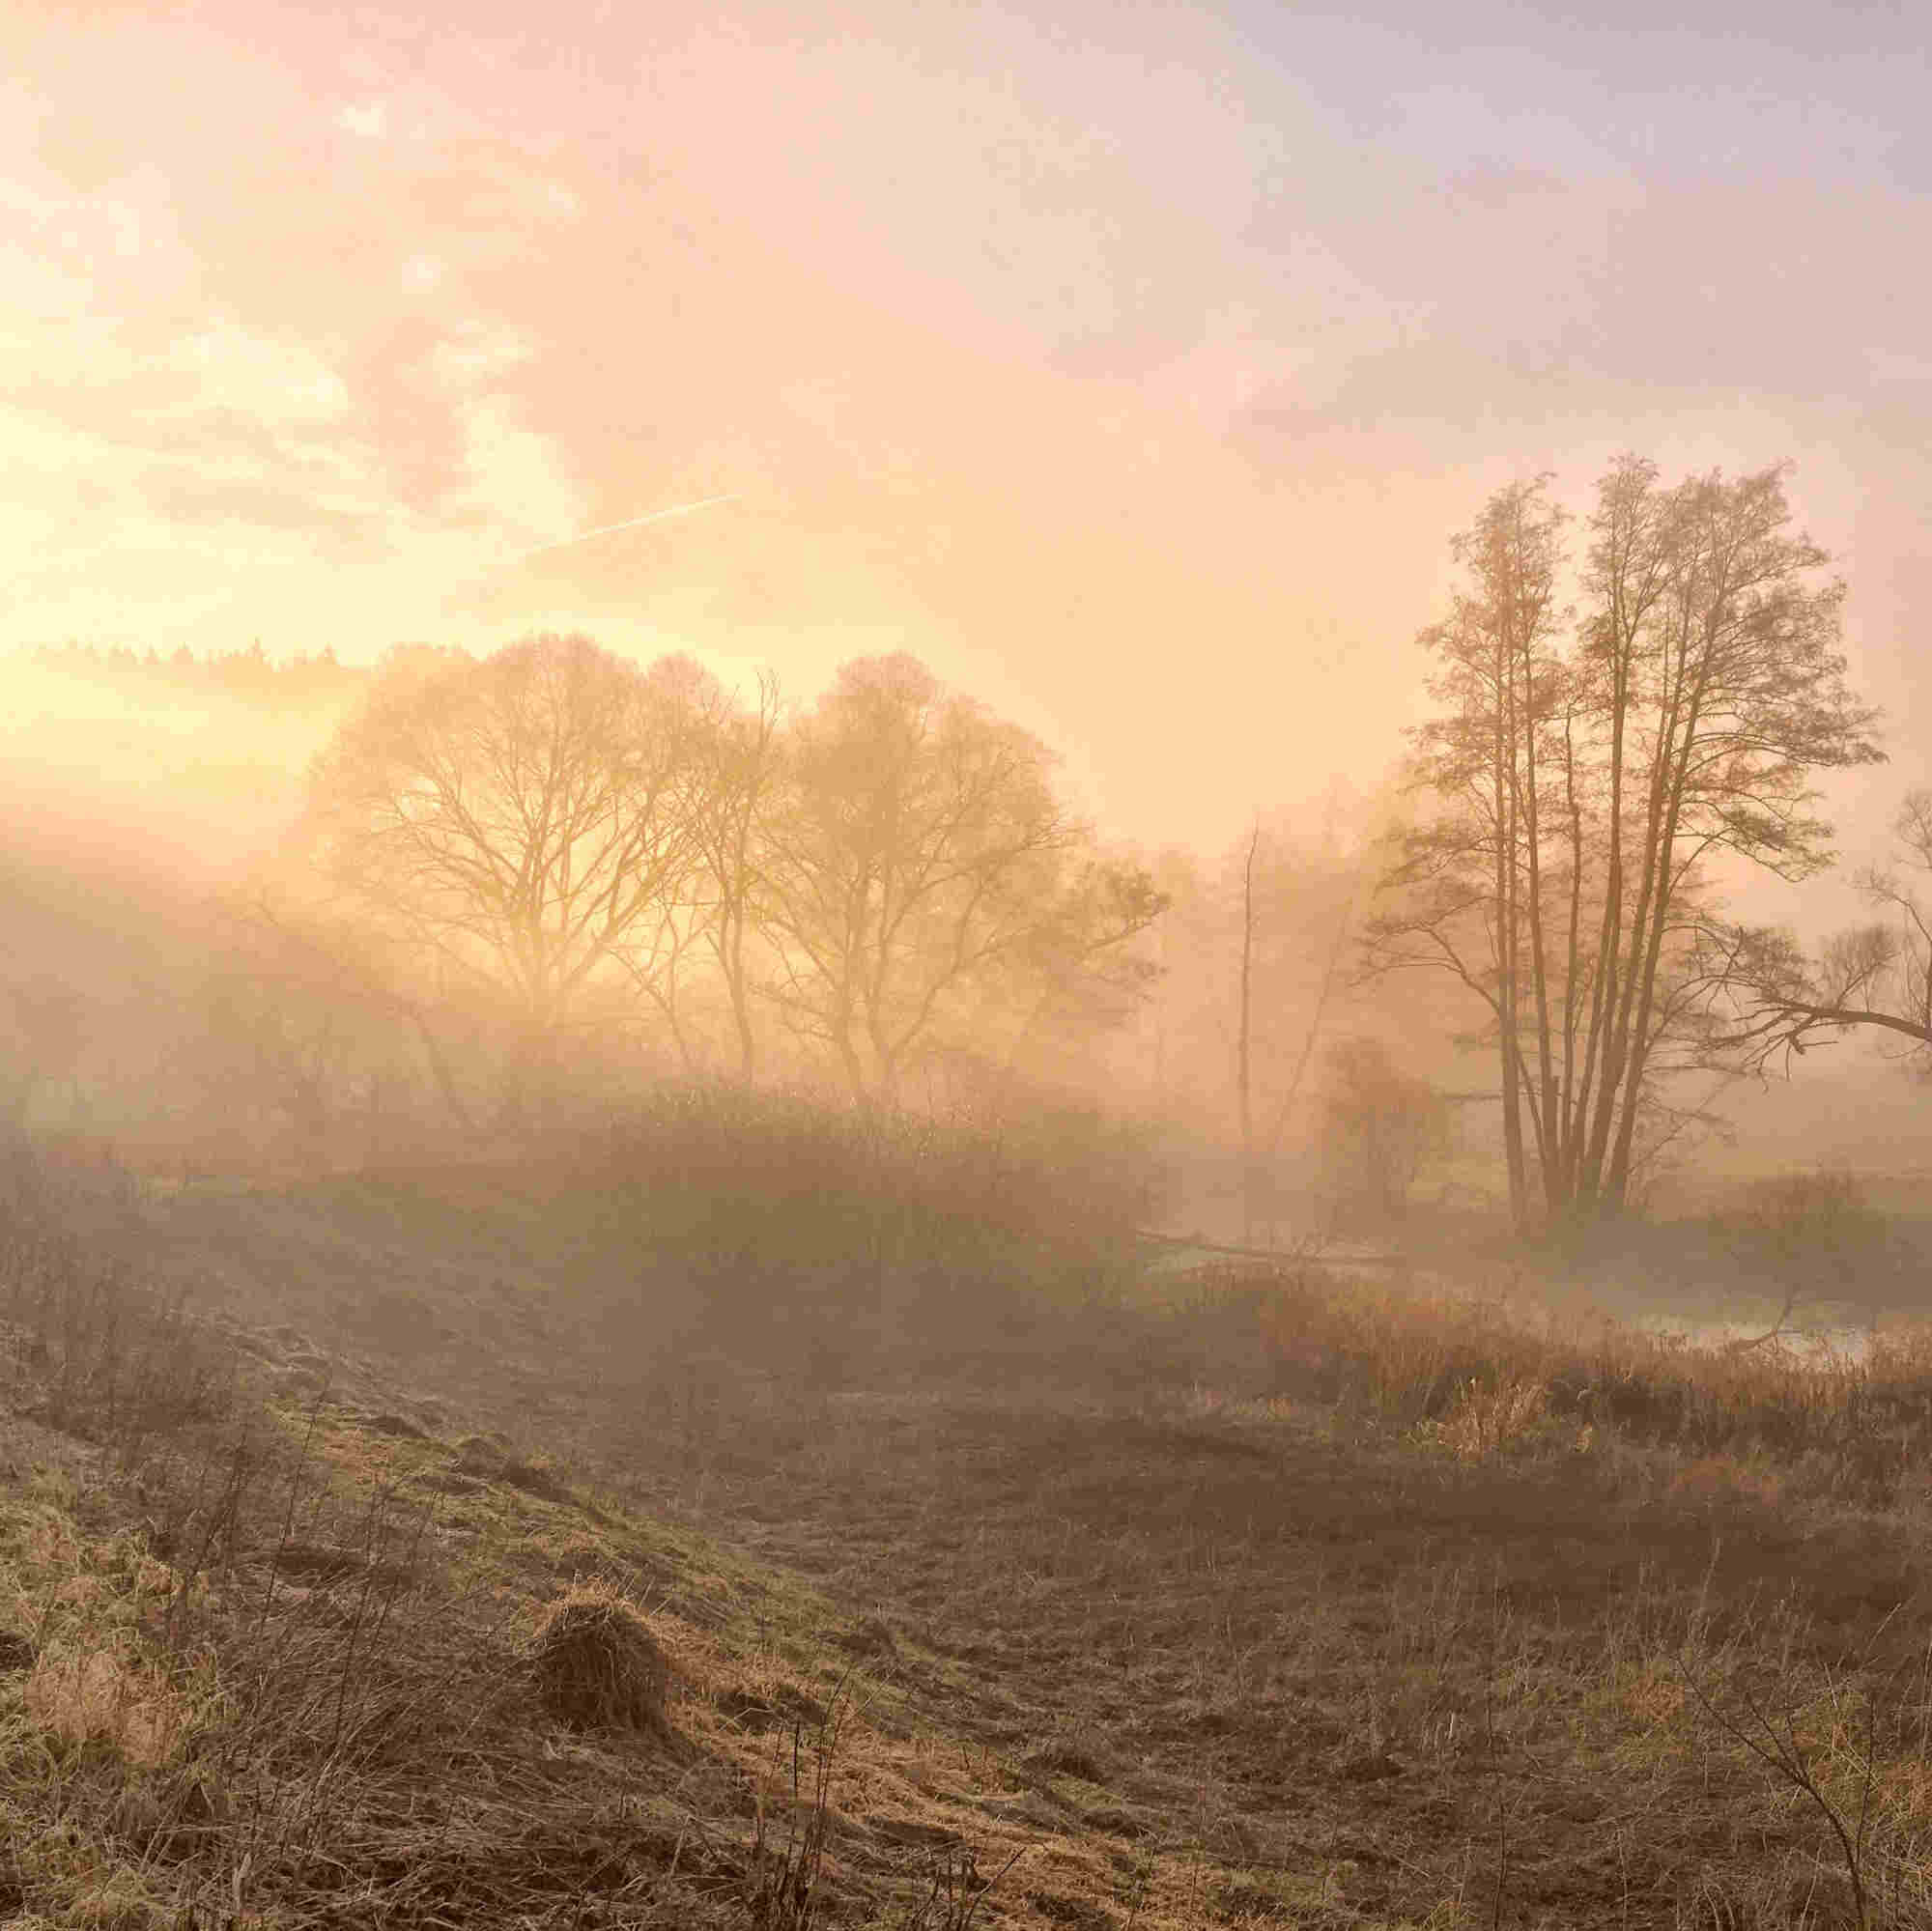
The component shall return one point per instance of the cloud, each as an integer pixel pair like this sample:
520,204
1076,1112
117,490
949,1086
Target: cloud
1144,344
1755,287
368,119
186,494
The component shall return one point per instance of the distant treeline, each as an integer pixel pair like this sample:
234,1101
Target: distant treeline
248,676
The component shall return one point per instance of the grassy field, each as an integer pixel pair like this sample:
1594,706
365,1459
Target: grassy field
1242,1595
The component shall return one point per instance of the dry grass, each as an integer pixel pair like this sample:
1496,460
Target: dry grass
287,1667
1312,1604
1482,1373
79,1695
597,1666
1376,1677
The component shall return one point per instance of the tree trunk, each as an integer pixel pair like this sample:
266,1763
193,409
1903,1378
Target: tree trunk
1504,753
1242,1052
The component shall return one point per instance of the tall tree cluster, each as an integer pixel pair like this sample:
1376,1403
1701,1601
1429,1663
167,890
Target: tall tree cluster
1611,726
570,850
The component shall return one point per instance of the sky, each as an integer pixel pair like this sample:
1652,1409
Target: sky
1132,364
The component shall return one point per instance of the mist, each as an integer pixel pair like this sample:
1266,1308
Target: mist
964,966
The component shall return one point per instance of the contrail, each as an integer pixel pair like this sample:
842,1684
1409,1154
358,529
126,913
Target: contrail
630,522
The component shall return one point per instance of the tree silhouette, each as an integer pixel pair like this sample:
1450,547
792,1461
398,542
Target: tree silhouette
1574,795
518,821
917,858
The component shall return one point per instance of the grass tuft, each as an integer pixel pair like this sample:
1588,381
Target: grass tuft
596,1666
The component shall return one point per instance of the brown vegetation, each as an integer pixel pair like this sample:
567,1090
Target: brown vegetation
597,1665
1268,1596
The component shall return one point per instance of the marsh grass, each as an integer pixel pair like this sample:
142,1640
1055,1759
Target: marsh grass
1483,1374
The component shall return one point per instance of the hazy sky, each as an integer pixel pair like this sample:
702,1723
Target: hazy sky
1130,363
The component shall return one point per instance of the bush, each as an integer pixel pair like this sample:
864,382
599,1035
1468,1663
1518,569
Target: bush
1380,1127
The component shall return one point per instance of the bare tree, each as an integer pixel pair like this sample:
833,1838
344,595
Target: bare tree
1175,944
1052,1003
1251,961
1244,1037
518,821
706,934
1283,904
1771,1000
1576,797
741,750
915,857
1467,882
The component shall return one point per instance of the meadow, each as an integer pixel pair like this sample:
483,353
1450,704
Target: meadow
984,1573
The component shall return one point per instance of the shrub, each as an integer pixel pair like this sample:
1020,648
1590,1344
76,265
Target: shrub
1380,1126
